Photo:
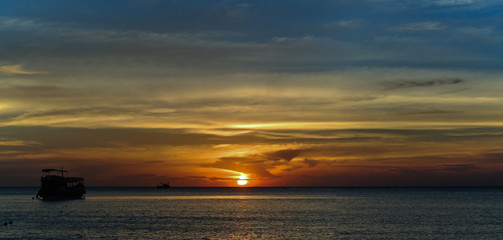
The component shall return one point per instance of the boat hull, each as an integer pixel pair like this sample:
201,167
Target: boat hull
67,194
54,187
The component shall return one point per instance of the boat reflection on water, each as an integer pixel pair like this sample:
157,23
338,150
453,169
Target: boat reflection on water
56,186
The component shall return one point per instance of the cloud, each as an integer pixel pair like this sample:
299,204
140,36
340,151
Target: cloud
421,83
262,164
300,92
37,92
492,157
18,23
249,164
58,138
420,153
421,26
13,142
435,111
312,163
432,168
204,40
287,154
343,24
459,167
476,31
269,165
17,69
452,2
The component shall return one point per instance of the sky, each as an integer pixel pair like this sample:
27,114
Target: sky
285,93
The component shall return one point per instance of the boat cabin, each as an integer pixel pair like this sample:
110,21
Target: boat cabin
61,179
55,184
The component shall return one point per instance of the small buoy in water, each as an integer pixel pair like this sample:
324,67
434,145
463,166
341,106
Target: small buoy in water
10,222
5,223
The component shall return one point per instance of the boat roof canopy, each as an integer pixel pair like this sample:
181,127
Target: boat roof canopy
53,170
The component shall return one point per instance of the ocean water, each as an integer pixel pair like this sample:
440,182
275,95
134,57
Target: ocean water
256,213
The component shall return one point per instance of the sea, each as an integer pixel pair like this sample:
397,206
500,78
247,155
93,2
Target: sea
256,213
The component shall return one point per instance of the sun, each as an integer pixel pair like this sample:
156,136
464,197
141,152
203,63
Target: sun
242,180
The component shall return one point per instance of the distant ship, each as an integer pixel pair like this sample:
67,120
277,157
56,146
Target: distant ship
60,187
164,185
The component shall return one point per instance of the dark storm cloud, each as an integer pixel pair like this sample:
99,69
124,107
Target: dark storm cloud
390,85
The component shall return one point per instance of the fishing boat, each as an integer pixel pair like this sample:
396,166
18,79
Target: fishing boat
164,185
56,186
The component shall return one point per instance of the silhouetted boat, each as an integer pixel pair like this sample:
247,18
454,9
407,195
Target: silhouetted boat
60,187
164,185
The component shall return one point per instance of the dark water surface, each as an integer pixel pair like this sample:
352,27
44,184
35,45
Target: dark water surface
256,213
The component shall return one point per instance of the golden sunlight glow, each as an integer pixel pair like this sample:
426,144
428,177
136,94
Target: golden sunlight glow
3,106
242,179
364,125
16,69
